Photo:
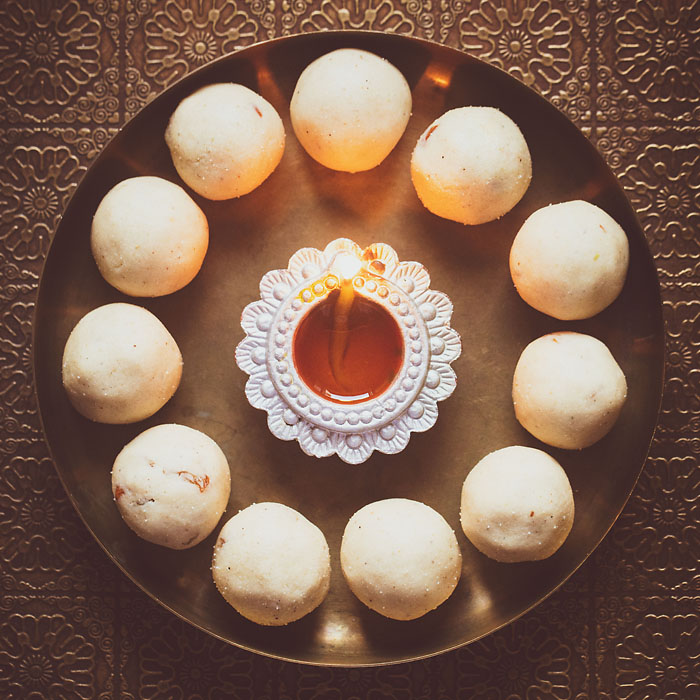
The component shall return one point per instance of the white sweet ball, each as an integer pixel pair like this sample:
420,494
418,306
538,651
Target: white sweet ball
120,364
171,484
568,390
569,260
225,140
471,165
148,237
349,109
517,505
400,558
271,564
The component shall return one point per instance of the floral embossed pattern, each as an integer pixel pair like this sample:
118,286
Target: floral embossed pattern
522,662
173,666
531,40
57,62
45,656
38,183
662,652
381,15
625,627
181,35
49,53
664,185
659,49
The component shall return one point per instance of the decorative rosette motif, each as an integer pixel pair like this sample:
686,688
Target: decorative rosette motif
383,422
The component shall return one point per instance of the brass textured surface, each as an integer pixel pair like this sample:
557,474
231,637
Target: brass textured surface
625,625
304,204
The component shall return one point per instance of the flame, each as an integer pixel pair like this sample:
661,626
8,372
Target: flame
346,266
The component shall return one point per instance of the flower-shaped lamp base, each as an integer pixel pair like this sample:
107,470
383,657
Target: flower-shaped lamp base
365,388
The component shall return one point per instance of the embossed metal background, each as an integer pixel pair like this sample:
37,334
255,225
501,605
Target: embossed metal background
303,204
625,626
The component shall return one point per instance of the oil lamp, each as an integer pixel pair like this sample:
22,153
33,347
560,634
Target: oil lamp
348,350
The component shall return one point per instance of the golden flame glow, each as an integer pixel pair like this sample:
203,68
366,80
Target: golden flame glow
346,265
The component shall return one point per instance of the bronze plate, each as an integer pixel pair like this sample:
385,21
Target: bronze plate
304,204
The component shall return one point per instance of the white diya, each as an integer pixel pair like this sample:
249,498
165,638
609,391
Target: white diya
348,350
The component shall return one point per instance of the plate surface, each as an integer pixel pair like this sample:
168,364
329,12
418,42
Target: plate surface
304,204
